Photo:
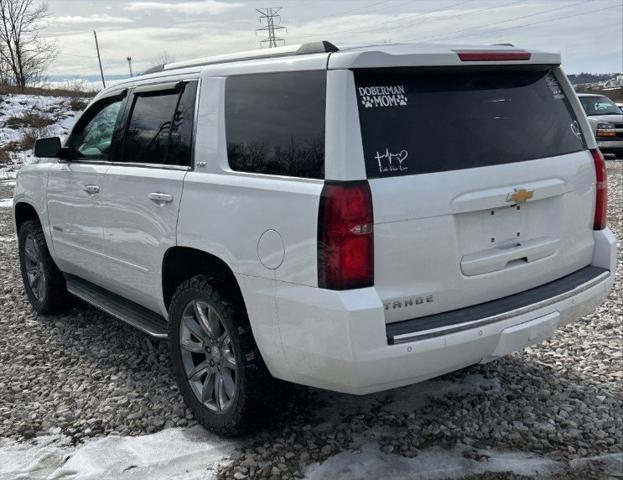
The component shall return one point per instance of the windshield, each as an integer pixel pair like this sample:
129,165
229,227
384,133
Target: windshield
599,106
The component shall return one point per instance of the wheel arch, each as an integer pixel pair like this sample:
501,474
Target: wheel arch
24,211
181,263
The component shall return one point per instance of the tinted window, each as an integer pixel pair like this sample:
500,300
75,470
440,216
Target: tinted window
93,140
160,127
275,123
422,121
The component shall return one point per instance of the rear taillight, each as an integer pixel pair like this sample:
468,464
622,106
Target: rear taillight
601,190
345,236
492,55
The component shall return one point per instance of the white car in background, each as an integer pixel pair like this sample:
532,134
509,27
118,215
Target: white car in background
606,119
314,214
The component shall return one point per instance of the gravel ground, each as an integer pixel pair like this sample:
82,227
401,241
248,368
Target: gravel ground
87,375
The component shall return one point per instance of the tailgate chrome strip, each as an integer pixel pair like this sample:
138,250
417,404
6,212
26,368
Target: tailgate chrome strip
394,339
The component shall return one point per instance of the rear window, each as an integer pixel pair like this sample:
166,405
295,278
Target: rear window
160,127
275,123
415,121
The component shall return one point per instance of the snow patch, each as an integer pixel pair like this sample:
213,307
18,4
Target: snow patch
54,108
184,454
6,202
430,464
7,238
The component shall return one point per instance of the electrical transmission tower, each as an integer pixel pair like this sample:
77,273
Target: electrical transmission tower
272,19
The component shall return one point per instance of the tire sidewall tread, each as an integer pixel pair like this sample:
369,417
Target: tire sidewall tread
56,298
252,403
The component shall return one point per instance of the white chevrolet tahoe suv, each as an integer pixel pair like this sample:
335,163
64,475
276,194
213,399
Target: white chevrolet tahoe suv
352,219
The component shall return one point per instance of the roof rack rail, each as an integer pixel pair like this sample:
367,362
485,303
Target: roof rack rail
303,49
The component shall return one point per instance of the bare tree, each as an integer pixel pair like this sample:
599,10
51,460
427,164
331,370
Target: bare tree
23,51
162,59
6,76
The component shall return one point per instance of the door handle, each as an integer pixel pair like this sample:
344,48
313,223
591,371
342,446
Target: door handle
91,189
161,197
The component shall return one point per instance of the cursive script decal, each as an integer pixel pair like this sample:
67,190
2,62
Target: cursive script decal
392,162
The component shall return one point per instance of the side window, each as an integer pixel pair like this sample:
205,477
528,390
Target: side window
160,127
93,140
275,123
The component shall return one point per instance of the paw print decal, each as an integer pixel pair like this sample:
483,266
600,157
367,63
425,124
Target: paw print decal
383,96
367,102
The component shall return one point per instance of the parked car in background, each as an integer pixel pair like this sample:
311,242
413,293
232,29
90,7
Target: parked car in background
312,214
606,119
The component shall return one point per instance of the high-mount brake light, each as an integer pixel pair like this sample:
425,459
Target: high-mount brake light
601,190
345,236
492,55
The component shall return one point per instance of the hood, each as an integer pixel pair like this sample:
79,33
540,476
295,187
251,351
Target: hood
606,118
595,119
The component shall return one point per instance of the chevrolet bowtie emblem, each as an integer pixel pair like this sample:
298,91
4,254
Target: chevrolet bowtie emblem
519,195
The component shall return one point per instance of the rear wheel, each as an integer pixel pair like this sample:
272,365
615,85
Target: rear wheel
216,363
43,281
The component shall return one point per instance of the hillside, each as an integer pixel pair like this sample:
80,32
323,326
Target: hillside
24,118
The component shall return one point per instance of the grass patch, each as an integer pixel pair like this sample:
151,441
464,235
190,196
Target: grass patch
12,146
33,120
77,104
5,156
26,142
46,92
29,138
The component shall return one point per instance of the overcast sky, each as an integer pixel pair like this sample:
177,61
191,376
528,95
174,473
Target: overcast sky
589,33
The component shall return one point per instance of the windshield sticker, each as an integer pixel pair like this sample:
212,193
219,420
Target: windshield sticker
383,96
392,162
554,86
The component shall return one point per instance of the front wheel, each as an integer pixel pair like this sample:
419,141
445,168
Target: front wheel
216,363
43,281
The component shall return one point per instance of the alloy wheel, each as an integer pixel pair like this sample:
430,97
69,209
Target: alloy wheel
208,356
34,268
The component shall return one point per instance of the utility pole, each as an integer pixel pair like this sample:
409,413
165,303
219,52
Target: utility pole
129,59
99,58
269,15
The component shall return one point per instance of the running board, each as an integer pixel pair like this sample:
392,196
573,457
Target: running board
129,312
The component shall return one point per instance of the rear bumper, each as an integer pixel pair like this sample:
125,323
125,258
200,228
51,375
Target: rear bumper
339,340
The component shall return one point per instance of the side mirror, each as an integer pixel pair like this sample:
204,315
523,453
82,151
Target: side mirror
48,147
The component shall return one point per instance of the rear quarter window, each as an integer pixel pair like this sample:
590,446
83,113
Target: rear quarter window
275,123
417,121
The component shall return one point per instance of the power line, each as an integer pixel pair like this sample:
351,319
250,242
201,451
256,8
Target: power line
364,7
410,21
63,54
269,15
590,12
344,12
543,12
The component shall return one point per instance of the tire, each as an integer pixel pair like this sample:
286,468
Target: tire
48,294
214,329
